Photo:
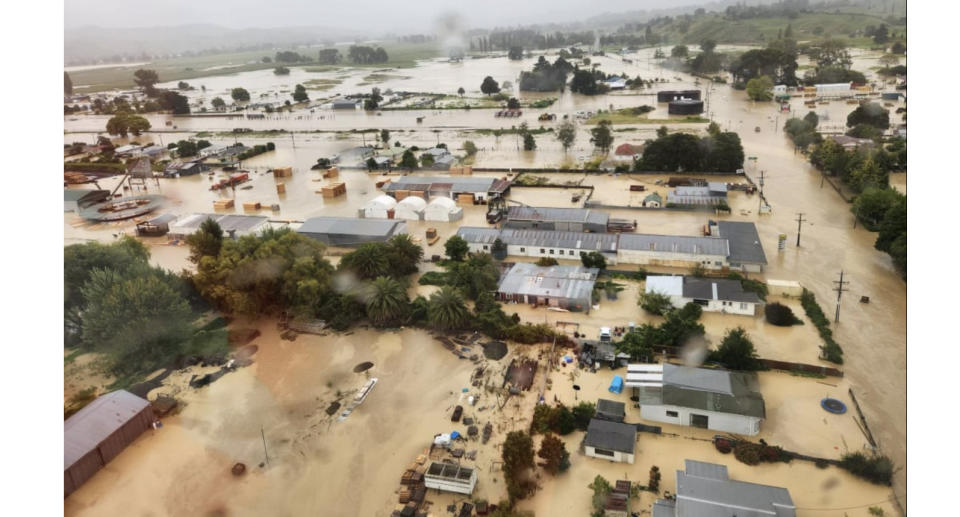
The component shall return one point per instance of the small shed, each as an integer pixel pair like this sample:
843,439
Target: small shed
611,410
99,432
653,201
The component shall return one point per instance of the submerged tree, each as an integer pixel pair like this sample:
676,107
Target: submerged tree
447,310
387,302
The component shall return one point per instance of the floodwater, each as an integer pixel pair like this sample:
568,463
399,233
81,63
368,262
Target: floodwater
872,334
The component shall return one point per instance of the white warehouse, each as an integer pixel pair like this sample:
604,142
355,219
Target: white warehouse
712,294
442,209
697,397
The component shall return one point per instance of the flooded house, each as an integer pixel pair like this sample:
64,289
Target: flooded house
349,232
180,169
156,226
344,104
233,225
675,95
707,398
613,441
712,294
99,432
706,489
477,188
653,201
561,219
746,251
541,243
628,152
610,410
565,287
714,193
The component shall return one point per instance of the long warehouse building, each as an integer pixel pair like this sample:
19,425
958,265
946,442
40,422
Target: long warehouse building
737,247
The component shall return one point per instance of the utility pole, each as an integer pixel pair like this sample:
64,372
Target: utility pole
800,222
840,290
760,197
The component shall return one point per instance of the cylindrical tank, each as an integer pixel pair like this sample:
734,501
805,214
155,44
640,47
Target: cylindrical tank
685,107
782,242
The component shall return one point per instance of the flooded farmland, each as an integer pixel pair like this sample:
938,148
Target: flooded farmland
315,463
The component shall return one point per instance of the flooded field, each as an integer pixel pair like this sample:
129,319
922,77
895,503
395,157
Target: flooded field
316,464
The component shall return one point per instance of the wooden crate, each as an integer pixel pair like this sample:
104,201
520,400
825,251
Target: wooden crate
332,172
400,195
223,204
281,188
468,170
465,199
334,190
282,172
252,206
418,193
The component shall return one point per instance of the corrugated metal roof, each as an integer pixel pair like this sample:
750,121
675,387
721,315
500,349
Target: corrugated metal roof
569,282
87,428
721,289
603,242
707,496
431,183
706,470
666,285
704,379
745,246
674,244
614,436
576,215
350,226
227,222
611,408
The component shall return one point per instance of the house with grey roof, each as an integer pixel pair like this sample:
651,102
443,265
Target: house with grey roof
349,231
708,398
563,219
706,490
746,251
653,201
233,225
712,294
614,441
566,287
443,162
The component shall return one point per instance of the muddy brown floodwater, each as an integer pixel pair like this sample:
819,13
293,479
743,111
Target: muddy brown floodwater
320,467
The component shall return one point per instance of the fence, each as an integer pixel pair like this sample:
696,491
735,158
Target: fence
773,364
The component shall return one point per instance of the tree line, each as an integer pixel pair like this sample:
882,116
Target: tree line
718,151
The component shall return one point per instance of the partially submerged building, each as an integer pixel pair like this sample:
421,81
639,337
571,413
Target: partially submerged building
411,208
712,294
348,231
714,399
714,193
614,441
442,209
75,199
450,477
746,251
156,226
566,287
99,432
380,207
452,187
561,219
675,95
233,225
705,489
180,169
541,243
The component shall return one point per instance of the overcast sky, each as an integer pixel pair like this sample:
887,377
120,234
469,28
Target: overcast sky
397,16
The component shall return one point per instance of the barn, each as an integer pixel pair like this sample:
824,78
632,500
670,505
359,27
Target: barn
99,432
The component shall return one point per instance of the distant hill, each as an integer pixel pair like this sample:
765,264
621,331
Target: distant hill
91,44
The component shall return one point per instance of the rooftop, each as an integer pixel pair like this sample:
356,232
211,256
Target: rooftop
717,289
705,489
603,242
349,226
87,428
577,215
712,390
745,246
570,282
227,222
675,244
459,184
611,408
614,436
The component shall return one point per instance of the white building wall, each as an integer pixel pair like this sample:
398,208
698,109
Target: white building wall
741,308
620,457
730,423
661,258
452,486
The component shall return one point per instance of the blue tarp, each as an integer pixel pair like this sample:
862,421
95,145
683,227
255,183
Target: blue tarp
617,385
454,435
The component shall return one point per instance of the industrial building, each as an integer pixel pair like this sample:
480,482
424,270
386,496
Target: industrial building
450,477
99,432
712,294
608,440
442,209
452,187
410,208
566,287
834,90
713,193
541,243
380,207
705,489
560,219
347,231
75,200
746,251
675,95
720,400
685,107
673,250
232,225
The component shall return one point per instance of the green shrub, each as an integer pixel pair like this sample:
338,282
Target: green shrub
655,303
433,278
875,468
830,350
780,315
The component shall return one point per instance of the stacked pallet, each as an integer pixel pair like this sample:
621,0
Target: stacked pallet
223,204
334,190
255,205
332,172
418,193
282,172
468,170
465,199
281,188
456,171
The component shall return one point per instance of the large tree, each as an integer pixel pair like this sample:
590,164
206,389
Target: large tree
566,134
404,255
218,103
123,123
146,79
760,88
517,457
240,94
456,248
368,261
206,241
554,453
387,302
300,94
489,86
870,113
736,351
515,53
447,310
601,136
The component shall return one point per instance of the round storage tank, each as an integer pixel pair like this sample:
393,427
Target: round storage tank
685,107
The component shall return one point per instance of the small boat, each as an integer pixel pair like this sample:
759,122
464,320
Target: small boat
358,398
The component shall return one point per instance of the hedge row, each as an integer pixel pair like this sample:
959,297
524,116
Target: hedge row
830,350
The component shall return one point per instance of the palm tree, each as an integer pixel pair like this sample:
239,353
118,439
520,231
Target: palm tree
387,302
367,262
447,310
405,254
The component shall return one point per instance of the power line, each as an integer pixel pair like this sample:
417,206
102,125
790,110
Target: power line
840,289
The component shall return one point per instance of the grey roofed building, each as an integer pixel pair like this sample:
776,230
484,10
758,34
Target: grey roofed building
235,225
341,104
569,287
674,244
717,289
436,183
565,219
610,410
745,246
349,231
443,162
712,390
706,490
602,242
436,152
612,436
